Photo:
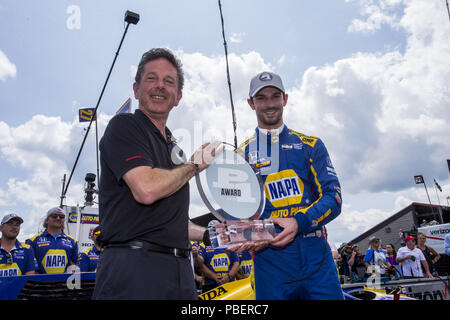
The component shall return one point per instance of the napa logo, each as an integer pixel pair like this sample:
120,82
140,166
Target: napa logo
55,261
284,188
246,268
9,270
220,262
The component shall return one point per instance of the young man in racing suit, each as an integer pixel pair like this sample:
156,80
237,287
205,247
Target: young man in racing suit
302,195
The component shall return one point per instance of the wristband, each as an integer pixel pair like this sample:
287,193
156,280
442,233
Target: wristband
197,167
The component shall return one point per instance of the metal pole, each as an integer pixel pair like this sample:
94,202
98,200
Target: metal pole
437,194
62,191
77,234
233,115
448,10
426,190
96,151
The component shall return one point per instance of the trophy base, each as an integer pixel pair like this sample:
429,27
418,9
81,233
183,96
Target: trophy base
231,232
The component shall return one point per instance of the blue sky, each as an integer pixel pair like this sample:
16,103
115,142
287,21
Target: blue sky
370,77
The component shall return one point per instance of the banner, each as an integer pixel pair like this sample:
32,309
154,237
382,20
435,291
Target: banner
436,236
81,227
125,108
437,185
418,179
85,115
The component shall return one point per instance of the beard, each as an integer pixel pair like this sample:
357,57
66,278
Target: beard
270,120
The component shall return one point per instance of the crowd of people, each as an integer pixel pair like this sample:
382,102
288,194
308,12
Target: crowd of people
53,251
414,259
216,266
50,251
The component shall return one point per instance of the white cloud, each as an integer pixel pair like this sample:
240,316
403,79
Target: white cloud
383,116
236,37
378,13
42,150
206,103
7,68
133,70
281,61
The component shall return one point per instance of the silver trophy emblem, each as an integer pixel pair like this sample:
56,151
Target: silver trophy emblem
233,191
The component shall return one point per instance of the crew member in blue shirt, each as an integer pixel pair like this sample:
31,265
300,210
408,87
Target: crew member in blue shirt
245,265
219,267
88,259
55,251
16,258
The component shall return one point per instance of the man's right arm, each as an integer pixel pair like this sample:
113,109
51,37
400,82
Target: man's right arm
149,184
402,256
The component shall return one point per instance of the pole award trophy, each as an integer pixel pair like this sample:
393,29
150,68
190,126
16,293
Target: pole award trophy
233,191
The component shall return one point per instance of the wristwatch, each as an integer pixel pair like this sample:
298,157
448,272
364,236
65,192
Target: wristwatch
197,167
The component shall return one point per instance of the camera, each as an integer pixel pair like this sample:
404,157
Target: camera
89,188
90,177
413,258
131,17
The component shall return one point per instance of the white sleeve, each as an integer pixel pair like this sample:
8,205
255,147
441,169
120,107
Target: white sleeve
401,253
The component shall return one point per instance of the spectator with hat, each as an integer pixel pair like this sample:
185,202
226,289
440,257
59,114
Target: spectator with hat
55,251
16,258
375,259
411,259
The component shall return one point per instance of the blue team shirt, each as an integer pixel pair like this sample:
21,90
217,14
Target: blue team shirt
299,178
23,260
88,259
218,260
54,254
245,263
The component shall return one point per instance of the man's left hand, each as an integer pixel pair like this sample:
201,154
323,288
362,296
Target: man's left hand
290,229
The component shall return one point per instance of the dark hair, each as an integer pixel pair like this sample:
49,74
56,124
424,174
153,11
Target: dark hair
158,53
393,248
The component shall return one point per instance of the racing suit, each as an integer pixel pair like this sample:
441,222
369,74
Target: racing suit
220,262
54,254
87,260
22,260
299,182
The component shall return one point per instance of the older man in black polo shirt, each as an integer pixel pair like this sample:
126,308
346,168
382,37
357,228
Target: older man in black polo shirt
144,193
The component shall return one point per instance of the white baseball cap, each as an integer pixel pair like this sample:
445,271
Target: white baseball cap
55,210
265,79
11,216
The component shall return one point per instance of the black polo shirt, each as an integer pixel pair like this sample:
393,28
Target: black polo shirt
129,141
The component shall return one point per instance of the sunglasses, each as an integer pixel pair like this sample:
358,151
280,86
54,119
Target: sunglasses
9,259
55,215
